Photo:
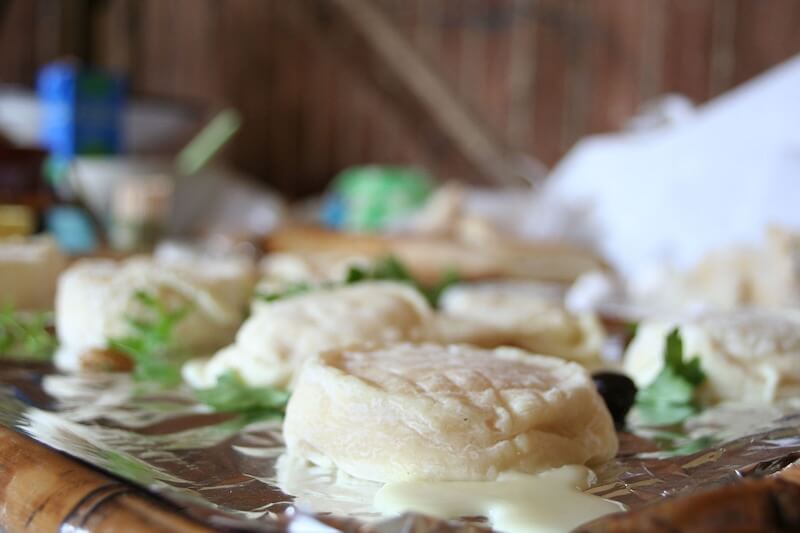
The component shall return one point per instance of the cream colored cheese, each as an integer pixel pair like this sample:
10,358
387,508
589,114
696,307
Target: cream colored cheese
748,355
765,275
308,267
279,270
279,336
549,502
410,411
95,297
29,269
527,315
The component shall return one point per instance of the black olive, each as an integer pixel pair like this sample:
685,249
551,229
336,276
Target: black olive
619,393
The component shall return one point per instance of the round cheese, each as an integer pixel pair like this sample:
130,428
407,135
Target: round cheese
747,355
96,297
309,267
280,271
426,411
275,341
527,315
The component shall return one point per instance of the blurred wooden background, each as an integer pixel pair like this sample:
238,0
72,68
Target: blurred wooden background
539,73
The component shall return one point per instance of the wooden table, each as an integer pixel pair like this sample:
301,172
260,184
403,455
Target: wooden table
44,491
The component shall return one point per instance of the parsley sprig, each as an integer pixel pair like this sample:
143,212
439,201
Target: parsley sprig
287,291
151,344
387,269
391,269
676,444
232,394
671,397
26,336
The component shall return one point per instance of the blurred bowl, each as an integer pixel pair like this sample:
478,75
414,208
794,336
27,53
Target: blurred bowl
149,126
216,197
94,178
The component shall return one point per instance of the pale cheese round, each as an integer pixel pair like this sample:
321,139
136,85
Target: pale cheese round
279,336
96,298
527,315
283,270
748,355
426,411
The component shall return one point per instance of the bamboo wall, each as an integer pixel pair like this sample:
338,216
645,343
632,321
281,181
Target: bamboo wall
540,73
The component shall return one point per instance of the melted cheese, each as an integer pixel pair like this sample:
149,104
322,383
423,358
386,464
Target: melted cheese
552,501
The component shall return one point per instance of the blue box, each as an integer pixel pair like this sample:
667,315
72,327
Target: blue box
81,110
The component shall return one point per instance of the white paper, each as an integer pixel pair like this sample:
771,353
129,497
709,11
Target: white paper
669,195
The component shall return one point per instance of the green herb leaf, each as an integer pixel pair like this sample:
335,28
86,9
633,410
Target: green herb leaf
676,444
670,398
232,394
151,345
288,291
25,336
387,269
391,269
355,275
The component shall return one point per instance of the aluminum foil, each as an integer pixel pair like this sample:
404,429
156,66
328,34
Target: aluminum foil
230,472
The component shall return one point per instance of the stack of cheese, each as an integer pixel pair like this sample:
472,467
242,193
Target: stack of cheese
385,387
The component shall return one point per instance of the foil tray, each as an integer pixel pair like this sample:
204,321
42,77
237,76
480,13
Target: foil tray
230,472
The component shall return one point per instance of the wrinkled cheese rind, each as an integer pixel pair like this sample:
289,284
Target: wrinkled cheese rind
522,314
95,298
747,355
275,341
425,411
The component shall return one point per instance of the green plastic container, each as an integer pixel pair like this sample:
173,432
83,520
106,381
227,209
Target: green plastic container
370,198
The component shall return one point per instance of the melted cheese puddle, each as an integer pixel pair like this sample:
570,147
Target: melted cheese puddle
552,501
